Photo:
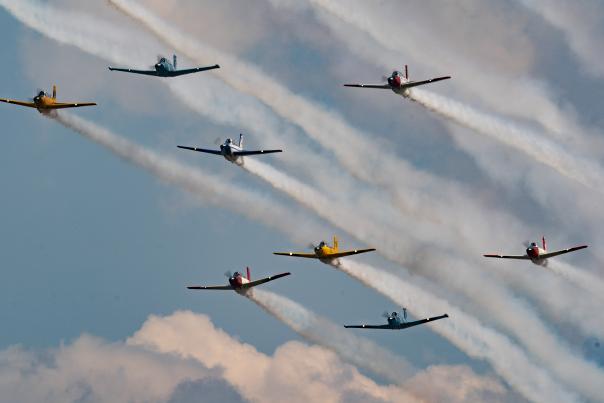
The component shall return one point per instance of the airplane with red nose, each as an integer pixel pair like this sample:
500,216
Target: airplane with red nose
538,255
399,83
239,283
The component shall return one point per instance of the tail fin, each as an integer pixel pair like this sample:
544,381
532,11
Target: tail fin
335,242
240,140
248,274
54,92
544,244
406,72
174,61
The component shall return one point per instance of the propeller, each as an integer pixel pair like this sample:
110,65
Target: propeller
385,79
228,274
217,141
312,246
386,315
526,244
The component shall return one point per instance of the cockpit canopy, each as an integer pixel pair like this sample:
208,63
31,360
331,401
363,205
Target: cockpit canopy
321,244
41,93
162,60
236,274
395,73
533,244
229,141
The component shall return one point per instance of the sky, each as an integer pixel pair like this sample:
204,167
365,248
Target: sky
106,222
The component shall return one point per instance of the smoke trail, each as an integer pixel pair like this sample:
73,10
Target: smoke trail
535,146
357,350
583,279
509,361
201,184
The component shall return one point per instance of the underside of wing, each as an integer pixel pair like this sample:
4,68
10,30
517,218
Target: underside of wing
424,82
194,70
368,327
20,103
144,72
264,280
210,287
349,253
63,105
297,254
520,257
562,252
422,321
256,152
376,86
201,150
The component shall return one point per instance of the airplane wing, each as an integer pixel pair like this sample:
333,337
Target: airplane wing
349,252
369,327
422,321
194,70
562,252
297,254
21,103
424,82
378,86
211,287
201,150
264,280
242,153
144,72
63,105
520,257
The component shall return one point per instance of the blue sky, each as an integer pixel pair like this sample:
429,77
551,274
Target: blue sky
94,245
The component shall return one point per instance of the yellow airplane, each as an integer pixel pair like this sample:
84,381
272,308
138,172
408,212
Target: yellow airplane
325,253
45,103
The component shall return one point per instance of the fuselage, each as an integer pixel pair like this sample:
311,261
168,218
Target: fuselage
164,67
236,281
43,102
396,80
533,251
228,148
323,251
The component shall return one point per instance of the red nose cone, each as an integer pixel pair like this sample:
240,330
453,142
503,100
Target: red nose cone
396,81
533,252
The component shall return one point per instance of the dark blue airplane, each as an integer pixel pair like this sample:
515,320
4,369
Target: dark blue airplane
163,68
396,323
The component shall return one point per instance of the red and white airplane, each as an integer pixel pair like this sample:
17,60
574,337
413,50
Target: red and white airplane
538,255
239,283
399,83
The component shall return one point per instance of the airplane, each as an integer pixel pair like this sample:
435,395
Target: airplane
399,83
163,68
325,253
396,323
538,255
231,151
45,103
239,283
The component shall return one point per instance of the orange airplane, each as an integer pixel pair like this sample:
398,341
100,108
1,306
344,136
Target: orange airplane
45,103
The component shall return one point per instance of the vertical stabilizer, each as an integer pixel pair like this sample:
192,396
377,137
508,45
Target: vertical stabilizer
335,242
544,244
174,61
54,92
241,140
406,72
248,274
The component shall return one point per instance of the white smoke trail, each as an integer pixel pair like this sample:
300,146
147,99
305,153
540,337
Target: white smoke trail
201,184
357,350
509,361
584,171
541,345
585,280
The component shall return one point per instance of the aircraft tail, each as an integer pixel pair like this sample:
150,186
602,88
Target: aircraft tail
544,244
174,61
248,274
406,72
335,242
54,92
240,140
